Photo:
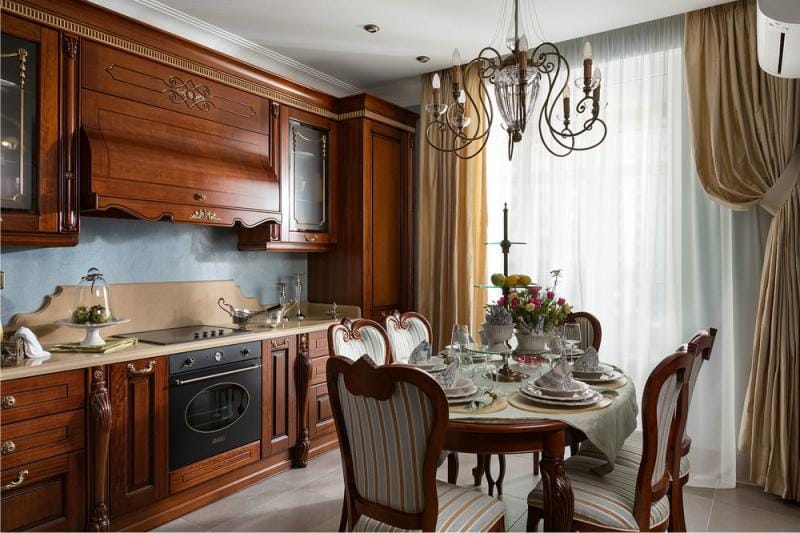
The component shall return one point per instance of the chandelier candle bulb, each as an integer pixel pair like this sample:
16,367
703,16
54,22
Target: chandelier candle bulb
522,54
596,93
565,95
587,67
436,83
456,67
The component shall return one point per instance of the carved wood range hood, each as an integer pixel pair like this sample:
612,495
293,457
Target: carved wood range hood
161,143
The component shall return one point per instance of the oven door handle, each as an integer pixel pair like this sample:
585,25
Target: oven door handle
212,376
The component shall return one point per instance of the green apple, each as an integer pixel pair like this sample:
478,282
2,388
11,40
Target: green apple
498,279
80,315
99,314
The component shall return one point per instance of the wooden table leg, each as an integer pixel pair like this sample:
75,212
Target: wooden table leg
559,504
452,467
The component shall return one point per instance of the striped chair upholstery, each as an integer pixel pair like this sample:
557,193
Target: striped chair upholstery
633,499
392,421
607,501
405,332
460,509
352,339
630,455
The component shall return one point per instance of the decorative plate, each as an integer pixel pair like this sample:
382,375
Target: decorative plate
532,391
592,374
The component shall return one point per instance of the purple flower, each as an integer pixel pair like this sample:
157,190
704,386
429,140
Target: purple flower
501,301
550,295
561,301
537,302
514,303
537,306
535,290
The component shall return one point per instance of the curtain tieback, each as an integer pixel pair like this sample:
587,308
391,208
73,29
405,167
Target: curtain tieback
772,200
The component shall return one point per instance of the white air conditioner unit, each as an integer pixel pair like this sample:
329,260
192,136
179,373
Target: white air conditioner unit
778,37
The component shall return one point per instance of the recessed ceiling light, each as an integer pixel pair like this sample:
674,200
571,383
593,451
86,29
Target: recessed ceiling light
372,28
423,59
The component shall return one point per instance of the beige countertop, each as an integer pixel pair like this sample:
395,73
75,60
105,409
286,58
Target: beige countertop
60,362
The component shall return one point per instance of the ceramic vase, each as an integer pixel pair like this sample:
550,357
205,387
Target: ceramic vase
497,336
532,343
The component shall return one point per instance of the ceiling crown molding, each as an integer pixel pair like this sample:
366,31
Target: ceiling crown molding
210,35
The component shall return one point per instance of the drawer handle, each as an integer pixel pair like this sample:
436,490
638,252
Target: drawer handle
200,196
146,370
280,345
8,402
8,447
310,237
21,477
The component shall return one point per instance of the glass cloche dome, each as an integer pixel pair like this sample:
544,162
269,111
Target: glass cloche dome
92,300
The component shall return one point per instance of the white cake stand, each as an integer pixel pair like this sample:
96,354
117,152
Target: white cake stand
93,337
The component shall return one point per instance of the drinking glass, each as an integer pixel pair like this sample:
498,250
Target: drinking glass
572,336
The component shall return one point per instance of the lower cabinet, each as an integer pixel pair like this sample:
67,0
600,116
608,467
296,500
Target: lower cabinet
138,469
279,411
46,495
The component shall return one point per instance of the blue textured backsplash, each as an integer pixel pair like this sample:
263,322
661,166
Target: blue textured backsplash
128,251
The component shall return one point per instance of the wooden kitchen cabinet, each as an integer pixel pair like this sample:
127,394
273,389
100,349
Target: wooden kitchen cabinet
39,194
46,495
372,265
308,182
139,453
279,393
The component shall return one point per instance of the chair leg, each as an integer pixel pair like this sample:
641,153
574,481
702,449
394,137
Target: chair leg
452,467
479,470
534,515
490,482
677,518
536,458
501,476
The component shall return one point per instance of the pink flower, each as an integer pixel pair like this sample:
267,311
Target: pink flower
514,303
550,295
501,301
537,306
537,302
561,301
535,290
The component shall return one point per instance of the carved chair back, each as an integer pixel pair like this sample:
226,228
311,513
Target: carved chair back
664,409
354,338
391,422
591,332
405,332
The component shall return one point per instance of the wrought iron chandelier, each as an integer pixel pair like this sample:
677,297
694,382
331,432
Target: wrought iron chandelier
516,79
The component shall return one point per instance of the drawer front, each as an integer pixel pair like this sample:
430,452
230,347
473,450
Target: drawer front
320,411
22,399
48,495
196,473
318,374
318,344
310,237
40,438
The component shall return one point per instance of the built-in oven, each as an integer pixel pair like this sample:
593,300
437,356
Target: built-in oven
214,402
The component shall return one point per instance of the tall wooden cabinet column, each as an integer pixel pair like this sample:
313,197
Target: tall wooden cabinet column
372,265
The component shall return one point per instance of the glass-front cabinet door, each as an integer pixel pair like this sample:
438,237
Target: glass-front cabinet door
309,147
19,71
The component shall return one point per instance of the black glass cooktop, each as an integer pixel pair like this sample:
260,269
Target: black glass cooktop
183,334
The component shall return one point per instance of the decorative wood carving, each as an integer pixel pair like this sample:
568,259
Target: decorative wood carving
559,504
179,91
204,214
100,412
303,384
69,199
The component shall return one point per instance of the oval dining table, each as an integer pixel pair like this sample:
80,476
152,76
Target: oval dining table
527,432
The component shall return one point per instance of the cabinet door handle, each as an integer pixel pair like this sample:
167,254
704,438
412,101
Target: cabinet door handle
310,237
280,345
8,402
8,447
146,370
21,476
200,196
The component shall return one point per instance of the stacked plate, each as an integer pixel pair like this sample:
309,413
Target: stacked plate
604,373
463,391
432,366
577,394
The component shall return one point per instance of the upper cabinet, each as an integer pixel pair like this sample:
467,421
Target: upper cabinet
158,142
38,192
308,179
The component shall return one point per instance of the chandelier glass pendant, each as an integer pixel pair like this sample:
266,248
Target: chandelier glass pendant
516,79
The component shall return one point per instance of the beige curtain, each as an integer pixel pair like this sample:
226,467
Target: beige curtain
452,227
745,127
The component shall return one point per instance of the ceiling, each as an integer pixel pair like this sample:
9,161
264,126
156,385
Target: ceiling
323,41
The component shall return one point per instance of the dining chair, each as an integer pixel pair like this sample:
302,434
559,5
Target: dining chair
591,335
627,498
354,338
591,332
391,422
630,454
406,332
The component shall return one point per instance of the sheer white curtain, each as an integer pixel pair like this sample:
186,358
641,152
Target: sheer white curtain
639,243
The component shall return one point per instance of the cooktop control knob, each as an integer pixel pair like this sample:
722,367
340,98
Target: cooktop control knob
245,352
189,361
196,334
205,334
213,333
218,356
221,331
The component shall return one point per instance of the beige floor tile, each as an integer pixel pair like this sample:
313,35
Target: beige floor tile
697,510
755,497
178,525
726,517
